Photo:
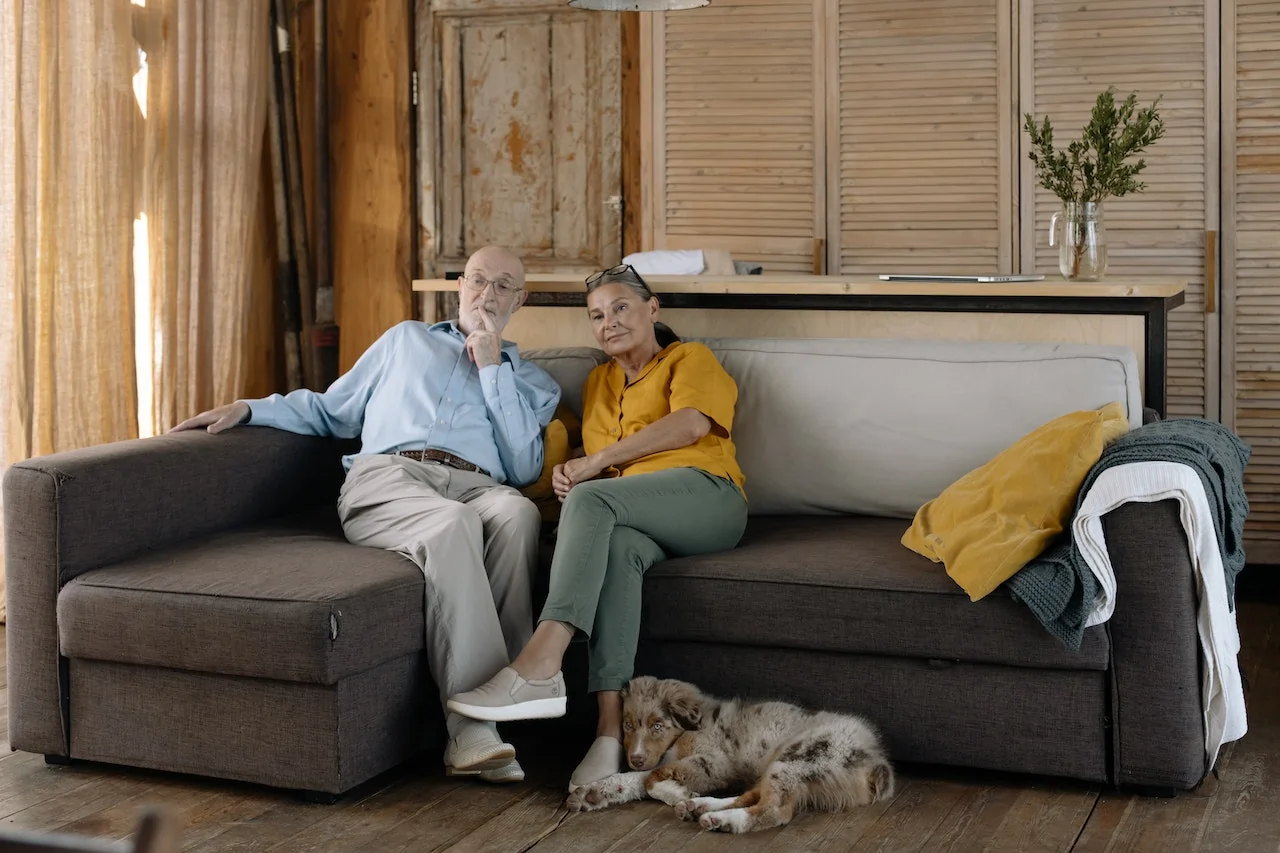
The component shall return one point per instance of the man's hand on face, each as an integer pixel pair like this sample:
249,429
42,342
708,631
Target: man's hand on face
484,345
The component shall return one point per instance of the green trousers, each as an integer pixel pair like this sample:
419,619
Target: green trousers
611,532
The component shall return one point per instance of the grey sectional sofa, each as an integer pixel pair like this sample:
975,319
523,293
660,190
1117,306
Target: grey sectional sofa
188,603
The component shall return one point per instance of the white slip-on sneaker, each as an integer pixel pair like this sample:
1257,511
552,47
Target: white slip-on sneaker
476,748
507,697
507,774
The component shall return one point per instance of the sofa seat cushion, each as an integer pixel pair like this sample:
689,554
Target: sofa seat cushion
846,584
289,600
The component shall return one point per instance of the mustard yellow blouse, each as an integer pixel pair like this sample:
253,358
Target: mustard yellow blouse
683,375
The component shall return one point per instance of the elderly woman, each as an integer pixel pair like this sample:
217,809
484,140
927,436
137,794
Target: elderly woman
657,477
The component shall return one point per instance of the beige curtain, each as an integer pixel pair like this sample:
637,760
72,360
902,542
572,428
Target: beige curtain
67,119
78,164
208,68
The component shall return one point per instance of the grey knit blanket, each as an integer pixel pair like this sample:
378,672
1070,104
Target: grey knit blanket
1058,587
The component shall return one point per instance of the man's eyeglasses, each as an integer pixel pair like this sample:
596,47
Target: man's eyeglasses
502,286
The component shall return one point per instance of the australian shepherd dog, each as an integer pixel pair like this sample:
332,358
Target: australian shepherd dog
683,745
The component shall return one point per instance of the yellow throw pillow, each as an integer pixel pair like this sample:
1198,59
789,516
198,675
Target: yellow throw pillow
555,444
555,451
571,422
997,518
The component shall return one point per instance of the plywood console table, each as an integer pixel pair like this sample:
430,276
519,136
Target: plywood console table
1148,300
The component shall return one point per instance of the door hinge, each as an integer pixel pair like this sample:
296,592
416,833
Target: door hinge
413,85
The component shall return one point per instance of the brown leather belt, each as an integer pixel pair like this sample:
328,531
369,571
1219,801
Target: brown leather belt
444,457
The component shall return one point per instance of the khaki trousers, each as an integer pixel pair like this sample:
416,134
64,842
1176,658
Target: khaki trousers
476,543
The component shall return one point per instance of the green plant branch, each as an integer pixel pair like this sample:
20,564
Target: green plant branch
1094,168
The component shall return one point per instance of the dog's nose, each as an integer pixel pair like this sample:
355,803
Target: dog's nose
636,761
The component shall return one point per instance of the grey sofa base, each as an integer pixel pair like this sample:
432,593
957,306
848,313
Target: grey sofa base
324,739
1004,718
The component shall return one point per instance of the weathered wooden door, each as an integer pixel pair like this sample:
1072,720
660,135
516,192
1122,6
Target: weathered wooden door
518,134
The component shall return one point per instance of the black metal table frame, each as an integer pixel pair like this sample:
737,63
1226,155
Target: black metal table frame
1154,311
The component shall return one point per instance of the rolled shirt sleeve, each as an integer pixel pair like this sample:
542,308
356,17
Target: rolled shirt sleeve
698,381
338,411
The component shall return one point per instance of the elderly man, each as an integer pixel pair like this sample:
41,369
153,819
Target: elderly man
449,418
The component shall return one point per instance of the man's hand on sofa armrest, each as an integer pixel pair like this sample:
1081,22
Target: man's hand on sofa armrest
219,419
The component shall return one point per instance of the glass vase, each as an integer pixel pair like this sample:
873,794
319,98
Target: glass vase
1078,232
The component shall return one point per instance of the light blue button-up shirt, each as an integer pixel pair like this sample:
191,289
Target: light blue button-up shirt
416,388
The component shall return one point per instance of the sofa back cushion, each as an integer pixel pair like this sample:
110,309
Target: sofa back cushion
879,427
570,367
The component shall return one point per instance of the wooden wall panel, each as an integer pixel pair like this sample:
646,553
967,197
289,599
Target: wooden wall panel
501,189
1251,257
529,137
371,169
1072,52
370,162
734,106
921,161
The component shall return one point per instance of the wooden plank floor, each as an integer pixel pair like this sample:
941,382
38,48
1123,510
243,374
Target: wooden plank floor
415,808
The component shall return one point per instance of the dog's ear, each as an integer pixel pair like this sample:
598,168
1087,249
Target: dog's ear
637,684
683,704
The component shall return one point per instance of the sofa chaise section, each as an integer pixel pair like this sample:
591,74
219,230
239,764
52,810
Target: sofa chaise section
189,603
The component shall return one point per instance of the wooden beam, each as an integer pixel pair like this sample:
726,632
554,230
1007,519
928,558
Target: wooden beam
835,285
370,154
631,201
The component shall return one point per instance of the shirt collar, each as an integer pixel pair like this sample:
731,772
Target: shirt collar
509,348
618,376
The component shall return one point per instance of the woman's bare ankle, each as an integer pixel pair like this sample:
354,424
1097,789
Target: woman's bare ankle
535,669
609,715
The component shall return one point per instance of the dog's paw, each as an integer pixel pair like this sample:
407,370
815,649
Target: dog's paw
589,798
698,806
577,801
669,791
732,820
600,795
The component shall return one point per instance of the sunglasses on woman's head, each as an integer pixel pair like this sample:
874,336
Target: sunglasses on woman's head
617,272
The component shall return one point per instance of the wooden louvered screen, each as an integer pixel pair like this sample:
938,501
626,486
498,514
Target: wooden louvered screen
1071,51
925,144
737,102
1251,256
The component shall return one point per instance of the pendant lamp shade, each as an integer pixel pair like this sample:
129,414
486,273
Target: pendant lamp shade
637,5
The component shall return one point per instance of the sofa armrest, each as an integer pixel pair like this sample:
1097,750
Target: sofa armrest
1156,707
67,513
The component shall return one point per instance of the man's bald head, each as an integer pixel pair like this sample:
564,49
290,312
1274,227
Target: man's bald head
493,283
492,261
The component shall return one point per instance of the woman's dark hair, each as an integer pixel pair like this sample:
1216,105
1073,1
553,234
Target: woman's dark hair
626,274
